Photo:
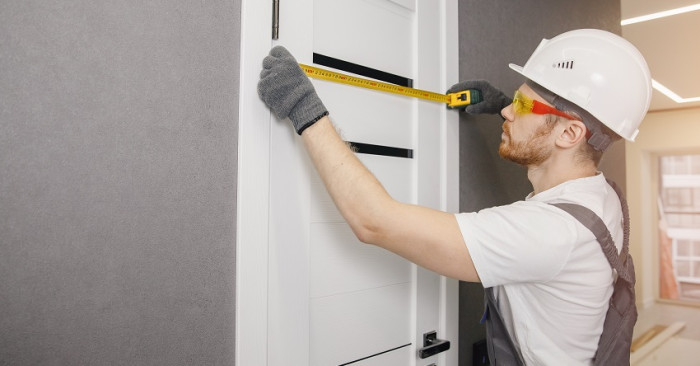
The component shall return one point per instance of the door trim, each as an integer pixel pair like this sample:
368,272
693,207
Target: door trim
253,187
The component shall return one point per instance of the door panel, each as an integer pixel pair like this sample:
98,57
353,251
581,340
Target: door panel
394,174
369,116
375,33
330,299
354,325
356,300
339,263
360,296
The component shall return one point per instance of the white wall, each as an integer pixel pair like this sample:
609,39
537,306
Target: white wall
661,133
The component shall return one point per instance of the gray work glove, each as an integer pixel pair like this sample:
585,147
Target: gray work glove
285,88
493,100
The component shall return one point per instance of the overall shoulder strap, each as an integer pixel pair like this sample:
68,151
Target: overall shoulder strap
594,223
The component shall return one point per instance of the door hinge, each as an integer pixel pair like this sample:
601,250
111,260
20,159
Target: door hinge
275,19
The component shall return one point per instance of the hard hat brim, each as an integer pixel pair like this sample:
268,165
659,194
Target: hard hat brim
518,69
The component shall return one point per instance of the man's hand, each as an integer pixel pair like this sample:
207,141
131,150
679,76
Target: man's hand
493,99
285,88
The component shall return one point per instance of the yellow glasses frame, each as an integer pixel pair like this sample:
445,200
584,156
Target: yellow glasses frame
522,104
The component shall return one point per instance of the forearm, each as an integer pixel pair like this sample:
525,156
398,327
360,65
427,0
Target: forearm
357,194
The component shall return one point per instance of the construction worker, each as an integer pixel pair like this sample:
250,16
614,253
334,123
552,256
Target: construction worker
548,279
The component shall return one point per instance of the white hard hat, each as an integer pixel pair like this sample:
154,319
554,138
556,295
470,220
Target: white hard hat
598,71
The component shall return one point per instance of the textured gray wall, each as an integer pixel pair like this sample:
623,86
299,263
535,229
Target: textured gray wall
493,34
118,140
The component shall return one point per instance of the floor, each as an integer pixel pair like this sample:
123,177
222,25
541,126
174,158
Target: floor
675,352
679,350
665,314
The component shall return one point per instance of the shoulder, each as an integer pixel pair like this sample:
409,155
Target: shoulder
527,241
596,194
528,220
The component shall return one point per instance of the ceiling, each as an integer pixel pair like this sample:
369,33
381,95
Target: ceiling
670,46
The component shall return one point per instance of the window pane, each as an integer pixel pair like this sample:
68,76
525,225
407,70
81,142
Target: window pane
665,164
683,248
687,221
678,198
680,164
695,163
683,268
673,220
679,193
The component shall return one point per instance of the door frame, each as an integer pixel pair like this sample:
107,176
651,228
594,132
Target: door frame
253,181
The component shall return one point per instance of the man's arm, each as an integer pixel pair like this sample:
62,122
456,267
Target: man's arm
427,237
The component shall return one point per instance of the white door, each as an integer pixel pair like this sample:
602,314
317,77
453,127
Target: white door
309,293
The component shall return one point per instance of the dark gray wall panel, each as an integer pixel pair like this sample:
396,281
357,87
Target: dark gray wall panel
118,140
493,34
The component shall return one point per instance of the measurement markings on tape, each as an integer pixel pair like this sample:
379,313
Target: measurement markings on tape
461,98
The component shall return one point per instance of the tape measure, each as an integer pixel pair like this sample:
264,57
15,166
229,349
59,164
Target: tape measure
452,100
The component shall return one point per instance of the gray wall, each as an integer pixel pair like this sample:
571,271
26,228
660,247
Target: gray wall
118,139
493,34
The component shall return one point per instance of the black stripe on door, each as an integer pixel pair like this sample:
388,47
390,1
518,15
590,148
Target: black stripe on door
362,70
396,152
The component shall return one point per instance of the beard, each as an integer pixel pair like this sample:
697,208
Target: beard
531,152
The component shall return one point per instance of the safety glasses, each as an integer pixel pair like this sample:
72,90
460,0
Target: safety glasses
524,105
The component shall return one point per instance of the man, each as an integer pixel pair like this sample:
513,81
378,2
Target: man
550,281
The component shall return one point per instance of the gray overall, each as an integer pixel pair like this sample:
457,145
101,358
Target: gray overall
615,341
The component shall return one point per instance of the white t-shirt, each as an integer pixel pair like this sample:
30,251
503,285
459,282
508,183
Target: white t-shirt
550,276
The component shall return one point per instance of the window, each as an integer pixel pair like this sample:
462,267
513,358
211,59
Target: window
679,244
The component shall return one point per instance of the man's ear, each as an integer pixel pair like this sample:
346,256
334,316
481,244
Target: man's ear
571,133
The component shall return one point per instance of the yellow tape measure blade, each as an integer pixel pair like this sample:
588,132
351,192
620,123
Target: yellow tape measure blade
453,100
322,74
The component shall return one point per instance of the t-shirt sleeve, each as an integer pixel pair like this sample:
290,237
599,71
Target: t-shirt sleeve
523,242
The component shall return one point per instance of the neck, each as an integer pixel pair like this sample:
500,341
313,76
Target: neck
554,172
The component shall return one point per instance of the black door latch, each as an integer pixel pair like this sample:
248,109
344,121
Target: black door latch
432,345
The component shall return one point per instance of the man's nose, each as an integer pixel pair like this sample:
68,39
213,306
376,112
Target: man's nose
507,112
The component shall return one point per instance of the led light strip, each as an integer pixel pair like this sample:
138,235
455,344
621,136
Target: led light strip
655,84
661,14
675,97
